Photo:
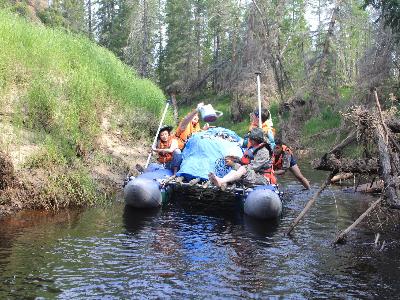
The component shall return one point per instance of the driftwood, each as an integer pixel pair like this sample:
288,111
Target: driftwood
332,163
386,168
394,125
309,204
342,236
347,141
387,162
341,176
382,135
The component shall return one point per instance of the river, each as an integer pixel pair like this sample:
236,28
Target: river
191,251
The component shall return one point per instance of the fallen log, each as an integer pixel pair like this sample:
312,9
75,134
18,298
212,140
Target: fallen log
341,176
386,169
332,163
394,125
340,238
309,204
387,173
347,141
370,187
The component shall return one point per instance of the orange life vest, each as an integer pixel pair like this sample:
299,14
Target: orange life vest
278,160
184,135
165,157
249,154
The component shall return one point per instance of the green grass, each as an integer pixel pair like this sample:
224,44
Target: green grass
59,87
66,82
327,120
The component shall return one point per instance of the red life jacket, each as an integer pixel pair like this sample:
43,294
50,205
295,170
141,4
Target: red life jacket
248,156
164,157
278,160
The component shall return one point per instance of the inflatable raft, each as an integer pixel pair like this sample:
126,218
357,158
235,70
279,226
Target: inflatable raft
204,153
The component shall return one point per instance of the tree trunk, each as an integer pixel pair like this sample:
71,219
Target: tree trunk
145,41
331,163
386,168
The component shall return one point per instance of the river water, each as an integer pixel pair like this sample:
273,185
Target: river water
190,251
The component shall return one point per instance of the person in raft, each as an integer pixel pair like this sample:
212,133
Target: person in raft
267,124
167,148
255,166
189,125
284,160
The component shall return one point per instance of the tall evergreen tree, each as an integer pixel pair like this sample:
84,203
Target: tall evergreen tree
143,27
178,53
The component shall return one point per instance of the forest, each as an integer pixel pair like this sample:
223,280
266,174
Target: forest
320,61
316,57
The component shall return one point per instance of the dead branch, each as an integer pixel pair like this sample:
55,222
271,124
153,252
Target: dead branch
310,203
347,141
342,236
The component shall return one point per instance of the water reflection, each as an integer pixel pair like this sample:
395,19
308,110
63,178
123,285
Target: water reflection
195,249
261,228
136,219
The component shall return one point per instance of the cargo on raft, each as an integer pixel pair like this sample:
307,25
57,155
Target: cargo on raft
203,153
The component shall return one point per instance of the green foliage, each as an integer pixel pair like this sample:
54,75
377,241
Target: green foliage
77,185
52,17
390,12
48,157
73,188
4,4
65,86
327,120
274,110
21,8
41,106
345,93
69,82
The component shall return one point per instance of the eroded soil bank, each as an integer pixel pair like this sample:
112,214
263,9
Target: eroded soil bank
53,187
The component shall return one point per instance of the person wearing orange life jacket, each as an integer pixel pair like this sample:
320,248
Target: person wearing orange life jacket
167,148
267,124
284,160
189,125
254,168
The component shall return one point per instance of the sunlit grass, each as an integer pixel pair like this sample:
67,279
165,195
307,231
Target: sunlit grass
68,81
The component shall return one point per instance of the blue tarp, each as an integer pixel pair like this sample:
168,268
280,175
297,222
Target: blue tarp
205,151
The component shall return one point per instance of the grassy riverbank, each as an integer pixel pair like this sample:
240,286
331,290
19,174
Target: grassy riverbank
66,105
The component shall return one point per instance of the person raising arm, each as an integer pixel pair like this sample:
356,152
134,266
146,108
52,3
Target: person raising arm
189,125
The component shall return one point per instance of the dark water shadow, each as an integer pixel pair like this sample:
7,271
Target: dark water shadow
228,208
261,228
135,219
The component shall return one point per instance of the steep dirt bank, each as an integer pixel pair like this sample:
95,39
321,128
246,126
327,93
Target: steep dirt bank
24,187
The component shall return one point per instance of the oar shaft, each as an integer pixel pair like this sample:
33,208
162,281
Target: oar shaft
158,130
259,99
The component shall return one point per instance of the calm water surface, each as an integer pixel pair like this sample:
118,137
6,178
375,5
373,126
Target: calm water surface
191,251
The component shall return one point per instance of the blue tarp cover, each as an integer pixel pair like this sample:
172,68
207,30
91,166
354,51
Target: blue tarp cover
205,151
